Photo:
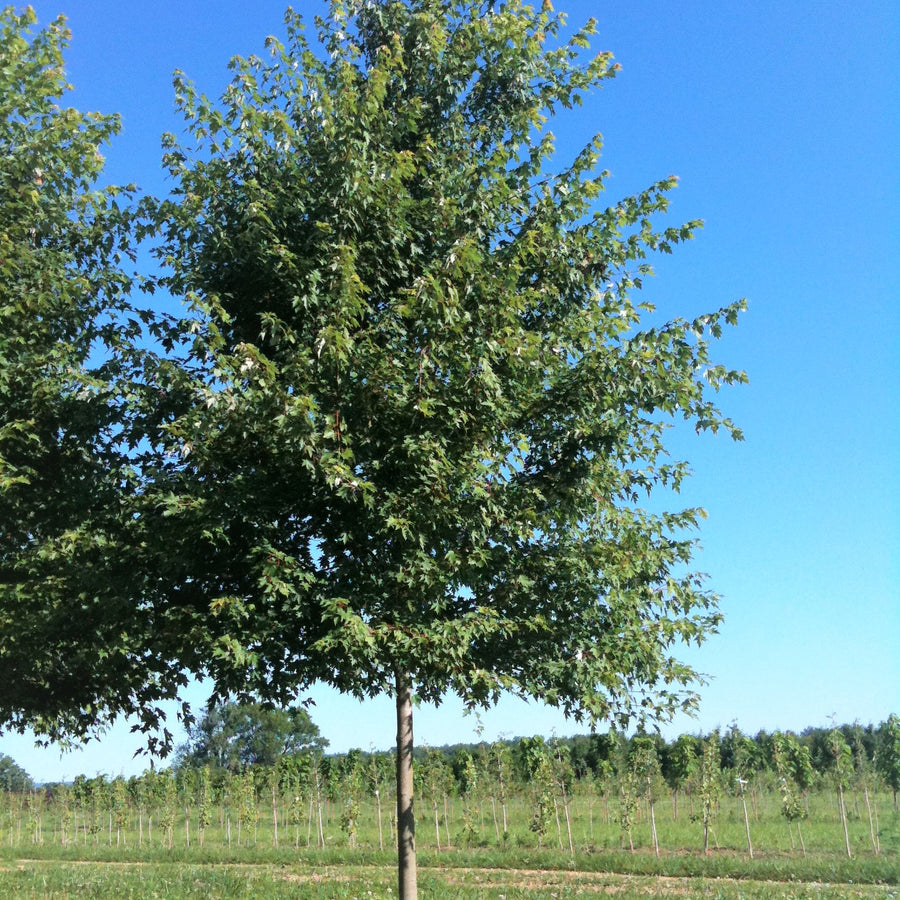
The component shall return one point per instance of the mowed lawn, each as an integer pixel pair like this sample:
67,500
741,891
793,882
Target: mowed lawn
66,878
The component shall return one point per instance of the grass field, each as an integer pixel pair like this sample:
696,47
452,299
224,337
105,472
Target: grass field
181,879
491,873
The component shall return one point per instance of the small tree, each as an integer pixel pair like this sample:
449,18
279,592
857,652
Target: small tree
293,783
889,754
138,795
62,795
785,756
316,775
97,791
500,763
709,785
543,802
34,801
166,801
564,776
204,801
682,761
841,770
862,769
644,766
350,782
603,756
467,782
435,780
376,779
247,805
629,791
118,805
742,758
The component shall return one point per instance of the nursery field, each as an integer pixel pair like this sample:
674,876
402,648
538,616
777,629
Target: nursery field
45,854
775,816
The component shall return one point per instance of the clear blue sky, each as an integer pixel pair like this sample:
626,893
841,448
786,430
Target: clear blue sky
782,120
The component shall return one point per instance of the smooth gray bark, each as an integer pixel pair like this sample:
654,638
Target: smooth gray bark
406,823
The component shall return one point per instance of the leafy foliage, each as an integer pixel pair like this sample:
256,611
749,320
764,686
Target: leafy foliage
12,776
420,410
74,644
406,435
235,735
889,754
789,766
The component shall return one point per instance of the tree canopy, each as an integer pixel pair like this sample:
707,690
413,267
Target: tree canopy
12,776
420,410
73,649
235,735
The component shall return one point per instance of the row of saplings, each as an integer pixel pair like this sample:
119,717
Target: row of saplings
587,792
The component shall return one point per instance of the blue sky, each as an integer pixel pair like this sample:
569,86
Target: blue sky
782,120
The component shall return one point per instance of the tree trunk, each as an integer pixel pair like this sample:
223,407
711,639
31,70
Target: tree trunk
568,824
872,833
380,832
746,822
274,817
877,826
406,823
653,833
558,825
437,826
843,813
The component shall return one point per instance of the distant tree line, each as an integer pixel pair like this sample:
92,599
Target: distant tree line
603,754
249,774
233,737
12,776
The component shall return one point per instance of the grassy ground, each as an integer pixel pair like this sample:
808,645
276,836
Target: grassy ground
57,879
723,864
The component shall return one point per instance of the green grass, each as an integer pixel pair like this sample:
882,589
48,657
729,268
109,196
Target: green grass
55,880
213,872
829,868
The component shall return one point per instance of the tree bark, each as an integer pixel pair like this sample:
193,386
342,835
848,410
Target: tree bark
406,823
746,822
872,833
843,811
650,803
